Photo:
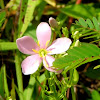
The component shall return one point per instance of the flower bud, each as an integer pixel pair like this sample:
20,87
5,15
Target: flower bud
53,23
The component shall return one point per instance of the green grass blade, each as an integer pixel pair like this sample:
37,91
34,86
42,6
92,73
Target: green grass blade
22,15
2,82
30,88
5,83
19,75
31,5
8,46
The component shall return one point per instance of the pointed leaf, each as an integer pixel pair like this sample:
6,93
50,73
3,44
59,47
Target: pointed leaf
78,56
82,22
96,24
90,24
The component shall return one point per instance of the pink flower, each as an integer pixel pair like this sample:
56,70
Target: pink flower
41,51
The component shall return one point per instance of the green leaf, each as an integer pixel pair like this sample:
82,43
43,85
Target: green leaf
90,24
86,33
75,78
2,17
96,67
2,4
61,18
7,46
93,36
78,11
31,5
78,56
91,31
29,89
96,24
95,95
31,31
31,85
22,14
82,22
39,10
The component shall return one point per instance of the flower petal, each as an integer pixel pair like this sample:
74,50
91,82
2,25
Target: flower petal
31,64
43,34
48,63
60,45
26,44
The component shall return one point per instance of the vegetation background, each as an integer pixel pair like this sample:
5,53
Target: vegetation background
77,19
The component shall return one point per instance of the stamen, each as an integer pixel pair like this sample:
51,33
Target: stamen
35,51
47,43
49,51
42,52
45,62
38,43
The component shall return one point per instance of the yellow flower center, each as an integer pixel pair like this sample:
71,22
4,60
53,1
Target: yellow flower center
42,52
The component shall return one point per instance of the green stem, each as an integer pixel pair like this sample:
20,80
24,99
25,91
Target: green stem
63,93
19,75
41,86
72,87
71,76
57,81
73,93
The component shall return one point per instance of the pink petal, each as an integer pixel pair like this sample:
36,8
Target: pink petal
26,44
49,60
60,45
43,34
31,64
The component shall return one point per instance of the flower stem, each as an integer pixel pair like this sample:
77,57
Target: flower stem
72,87
41,86
73,93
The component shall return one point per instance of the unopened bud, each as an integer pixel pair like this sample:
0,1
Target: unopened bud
53,23
77,43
